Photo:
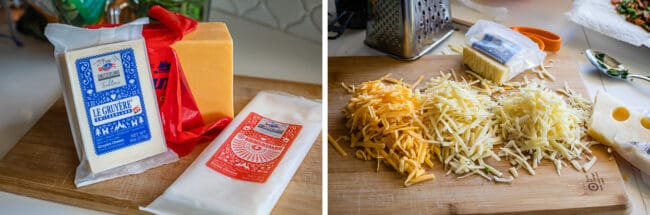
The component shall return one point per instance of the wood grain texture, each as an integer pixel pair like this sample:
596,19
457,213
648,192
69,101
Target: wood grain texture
43,163
355,187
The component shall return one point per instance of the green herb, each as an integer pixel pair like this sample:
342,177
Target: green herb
621,8
617,73
487,170
601,58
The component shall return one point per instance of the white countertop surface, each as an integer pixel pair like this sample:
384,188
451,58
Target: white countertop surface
549,15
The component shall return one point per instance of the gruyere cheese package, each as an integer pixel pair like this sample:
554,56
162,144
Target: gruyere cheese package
110,100
498,53
248,166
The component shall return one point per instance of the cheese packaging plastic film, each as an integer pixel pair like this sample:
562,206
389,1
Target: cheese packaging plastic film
247,167
110,101
498,53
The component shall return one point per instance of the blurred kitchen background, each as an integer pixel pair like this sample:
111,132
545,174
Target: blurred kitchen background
279,39
273,39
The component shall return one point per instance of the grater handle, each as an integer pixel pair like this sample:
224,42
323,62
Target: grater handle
335,29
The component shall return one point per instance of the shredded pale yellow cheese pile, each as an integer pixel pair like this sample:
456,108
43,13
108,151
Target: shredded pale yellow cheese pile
458,122
382,119
538,124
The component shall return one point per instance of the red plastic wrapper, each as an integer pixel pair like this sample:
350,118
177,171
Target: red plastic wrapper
182,122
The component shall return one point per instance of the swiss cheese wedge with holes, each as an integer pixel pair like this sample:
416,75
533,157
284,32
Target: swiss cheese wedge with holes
612,120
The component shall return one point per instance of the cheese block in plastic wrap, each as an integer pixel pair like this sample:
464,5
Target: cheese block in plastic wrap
626,130
110,100
485,66
498,53
248,166
612,119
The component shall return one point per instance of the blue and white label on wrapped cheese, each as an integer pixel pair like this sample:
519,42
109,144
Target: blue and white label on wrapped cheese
112,98
643,146
271,128
496,47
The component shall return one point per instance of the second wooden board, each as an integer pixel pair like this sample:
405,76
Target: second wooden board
355,187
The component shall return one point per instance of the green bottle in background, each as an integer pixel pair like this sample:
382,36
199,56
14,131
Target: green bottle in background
84,12
80,12
195,9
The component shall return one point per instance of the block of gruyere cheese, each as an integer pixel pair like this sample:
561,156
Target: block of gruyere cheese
486,67
111,104
612,121
206,55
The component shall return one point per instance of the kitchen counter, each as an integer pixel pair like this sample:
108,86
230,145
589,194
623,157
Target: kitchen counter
30,85
550,15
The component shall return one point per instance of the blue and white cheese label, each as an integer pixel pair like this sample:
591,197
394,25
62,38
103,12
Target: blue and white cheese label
108,72
112,97
499,48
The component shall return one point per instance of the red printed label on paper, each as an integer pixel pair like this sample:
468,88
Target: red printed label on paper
254,149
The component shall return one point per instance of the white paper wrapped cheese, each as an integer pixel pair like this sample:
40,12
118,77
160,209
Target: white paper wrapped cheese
248,166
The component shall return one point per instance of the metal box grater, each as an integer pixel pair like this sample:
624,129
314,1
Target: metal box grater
407,28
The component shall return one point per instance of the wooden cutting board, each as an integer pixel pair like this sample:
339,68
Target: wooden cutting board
355,187
42,164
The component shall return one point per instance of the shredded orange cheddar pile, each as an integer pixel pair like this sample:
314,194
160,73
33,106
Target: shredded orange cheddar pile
382,119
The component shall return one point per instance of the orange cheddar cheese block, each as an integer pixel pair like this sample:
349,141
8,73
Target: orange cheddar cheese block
206,55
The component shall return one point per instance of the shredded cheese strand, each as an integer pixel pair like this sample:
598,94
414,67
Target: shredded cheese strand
336,146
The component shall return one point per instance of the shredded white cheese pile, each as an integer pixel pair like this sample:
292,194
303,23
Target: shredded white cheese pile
538,124
383,122
458,122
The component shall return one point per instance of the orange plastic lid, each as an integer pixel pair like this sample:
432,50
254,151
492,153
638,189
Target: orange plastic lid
547,41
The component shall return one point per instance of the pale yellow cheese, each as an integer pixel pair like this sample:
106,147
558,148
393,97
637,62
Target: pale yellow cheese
206,55
79,118
485,66
612,120
539,124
